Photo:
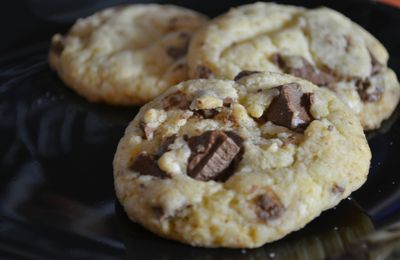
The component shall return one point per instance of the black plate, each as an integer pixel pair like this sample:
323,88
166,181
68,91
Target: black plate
56,187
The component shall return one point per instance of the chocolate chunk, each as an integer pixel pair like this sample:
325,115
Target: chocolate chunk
213,153
146,164
306,70
269,206
244,73
239,141
185,36
176,52
206,113
376,66
148,131
158,212
203,72
290,108
176,100
227,102
277,59
165,145
367,92
337,189
179,52
211,113
176,22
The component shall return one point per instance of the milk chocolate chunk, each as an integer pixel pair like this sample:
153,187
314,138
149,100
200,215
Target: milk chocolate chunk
368,92
176,100
165,145
213,154
290,108
203,72
211,113
146,164
244,73
300,67
337,189
147,131
207,113
269,206
376,66
227,101
176,52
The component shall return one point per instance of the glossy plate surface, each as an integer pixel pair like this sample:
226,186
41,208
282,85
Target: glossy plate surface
56,188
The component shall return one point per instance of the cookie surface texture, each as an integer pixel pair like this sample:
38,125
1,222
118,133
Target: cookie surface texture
220,163
320,45
125,55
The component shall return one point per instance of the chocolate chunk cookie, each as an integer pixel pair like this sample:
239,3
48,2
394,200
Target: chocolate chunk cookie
320,45
126,55
239,163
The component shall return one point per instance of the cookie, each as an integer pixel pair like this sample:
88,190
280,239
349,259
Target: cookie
125,55
319,45
219,163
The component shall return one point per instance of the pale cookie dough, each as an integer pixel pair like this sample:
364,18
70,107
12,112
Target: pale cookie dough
219,163
320,45
126,55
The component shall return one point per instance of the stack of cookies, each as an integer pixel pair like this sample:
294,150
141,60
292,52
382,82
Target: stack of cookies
264,129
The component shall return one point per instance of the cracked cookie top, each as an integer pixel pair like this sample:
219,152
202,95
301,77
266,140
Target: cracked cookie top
319,45
238,163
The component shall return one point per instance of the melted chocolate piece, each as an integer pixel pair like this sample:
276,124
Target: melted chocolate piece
227,102
269,206
305,71
366,95
214,155
337,189
146,164
174,22
291,108
376,65
328,79
244,73
203,72
176,100
366,91
206,113
164,146
211,113
148,131
176,52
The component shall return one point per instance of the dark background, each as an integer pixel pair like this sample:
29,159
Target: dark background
56,149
